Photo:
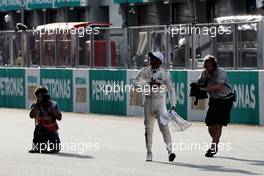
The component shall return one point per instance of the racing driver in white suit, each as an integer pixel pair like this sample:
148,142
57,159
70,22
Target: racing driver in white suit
159,80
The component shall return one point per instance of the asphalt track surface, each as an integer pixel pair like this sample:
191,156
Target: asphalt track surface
107,145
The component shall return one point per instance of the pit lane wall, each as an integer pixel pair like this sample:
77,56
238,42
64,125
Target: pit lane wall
89,90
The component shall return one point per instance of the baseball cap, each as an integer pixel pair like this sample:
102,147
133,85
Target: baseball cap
158,55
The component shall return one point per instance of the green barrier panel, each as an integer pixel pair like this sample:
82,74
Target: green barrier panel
133,1
12,88
179,79
39,4
70,3
7,5
102,99
59,84
120,1
246,107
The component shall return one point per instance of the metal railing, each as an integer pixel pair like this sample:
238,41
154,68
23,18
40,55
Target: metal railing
235,45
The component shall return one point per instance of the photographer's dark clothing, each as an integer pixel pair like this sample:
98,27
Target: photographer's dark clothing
45,133
220,102
44,139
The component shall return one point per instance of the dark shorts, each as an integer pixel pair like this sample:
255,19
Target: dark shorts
218,112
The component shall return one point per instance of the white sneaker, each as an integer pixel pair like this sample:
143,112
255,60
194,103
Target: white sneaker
149,156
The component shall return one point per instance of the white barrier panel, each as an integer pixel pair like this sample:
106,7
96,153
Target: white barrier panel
198,112
81,102
134,100
32,80
261,97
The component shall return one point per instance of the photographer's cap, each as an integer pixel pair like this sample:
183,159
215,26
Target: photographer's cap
157,55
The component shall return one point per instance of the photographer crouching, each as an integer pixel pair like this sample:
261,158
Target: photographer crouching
220,102
46,113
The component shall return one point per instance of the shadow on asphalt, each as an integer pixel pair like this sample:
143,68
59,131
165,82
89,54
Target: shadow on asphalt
209,168
72,155
253,162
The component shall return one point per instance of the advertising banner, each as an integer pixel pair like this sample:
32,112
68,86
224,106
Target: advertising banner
8,5
179,78
59,84
196,112
32,80
39,4
12,88
107,94
134,99
246,107
81,90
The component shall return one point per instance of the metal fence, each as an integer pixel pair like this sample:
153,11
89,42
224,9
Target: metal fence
235,45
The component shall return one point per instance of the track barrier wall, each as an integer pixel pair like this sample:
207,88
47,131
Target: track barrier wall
89,90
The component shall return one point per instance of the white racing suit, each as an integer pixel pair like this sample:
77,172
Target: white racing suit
155,103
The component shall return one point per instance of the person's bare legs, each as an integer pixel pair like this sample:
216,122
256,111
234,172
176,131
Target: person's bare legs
217,135
210,130
215,132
